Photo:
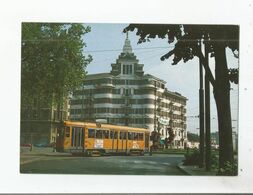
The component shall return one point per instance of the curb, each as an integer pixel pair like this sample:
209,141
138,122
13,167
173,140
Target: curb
195,171
180,166
46,155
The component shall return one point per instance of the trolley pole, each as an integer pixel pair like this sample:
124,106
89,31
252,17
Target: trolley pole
201,114
207,115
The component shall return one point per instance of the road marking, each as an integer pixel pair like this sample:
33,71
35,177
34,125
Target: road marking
166,164
152,162
42,158
137,162
29,161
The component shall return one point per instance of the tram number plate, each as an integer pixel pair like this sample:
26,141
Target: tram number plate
99,143
135,145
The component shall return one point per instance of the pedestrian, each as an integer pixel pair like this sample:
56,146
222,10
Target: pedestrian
31,147
150,150
166,143
54,147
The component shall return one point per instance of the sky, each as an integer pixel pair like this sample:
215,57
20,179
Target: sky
105,43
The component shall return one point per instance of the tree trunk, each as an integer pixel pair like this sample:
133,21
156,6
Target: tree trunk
222,98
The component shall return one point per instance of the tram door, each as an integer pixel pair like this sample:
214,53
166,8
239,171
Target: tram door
77,141
115,141
122,141
60,138
147,140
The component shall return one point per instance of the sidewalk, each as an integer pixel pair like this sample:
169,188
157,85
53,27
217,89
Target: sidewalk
38,154
41,151
195,170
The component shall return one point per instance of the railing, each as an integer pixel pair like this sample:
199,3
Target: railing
104,85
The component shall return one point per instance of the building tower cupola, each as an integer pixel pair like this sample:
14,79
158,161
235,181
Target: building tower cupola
127,48
127,63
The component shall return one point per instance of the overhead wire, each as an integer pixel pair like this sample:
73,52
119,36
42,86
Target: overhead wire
134,49
112,59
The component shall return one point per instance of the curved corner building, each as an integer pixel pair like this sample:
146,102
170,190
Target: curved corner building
127,96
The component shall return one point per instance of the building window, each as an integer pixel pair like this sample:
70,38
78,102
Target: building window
122,91
132,91
127,69
117,91
127,91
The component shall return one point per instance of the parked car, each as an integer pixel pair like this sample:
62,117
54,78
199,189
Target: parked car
41,145
26,145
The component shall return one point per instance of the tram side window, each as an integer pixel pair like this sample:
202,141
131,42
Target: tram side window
111,134
130,135
99,134
67,131
135,136
115,135
140,136
106,134
91,133
122,135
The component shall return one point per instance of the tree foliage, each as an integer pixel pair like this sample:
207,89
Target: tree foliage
155,137
171,136
192,137
53,62
187,39
233,75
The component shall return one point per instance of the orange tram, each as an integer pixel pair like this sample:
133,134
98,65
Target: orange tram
95,139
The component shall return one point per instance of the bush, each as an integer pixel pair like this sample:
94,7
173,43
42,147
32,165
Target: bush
214,162
192,158
230,169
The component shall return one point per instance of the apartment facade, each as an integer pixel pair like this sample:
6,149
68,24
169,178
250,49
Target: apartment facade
127,96
40,121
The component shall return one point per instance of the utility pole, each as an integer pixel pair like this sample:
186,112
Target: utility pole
207,115
155,108
201,114
159,112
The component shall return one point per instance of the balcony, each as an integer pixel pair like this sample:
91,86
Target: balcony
159,99
183,122
126,106
103,85
158,109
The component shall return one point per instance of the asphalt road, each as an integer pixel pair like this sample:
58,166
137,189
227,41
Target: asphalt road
158,164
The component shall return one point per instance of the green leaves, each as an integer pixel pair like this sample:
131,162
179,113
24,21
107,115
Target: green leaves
229,169
233,74
187,39
53,61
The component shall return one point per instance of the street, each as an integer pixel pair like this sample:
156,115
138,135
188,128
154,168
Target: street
57,163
